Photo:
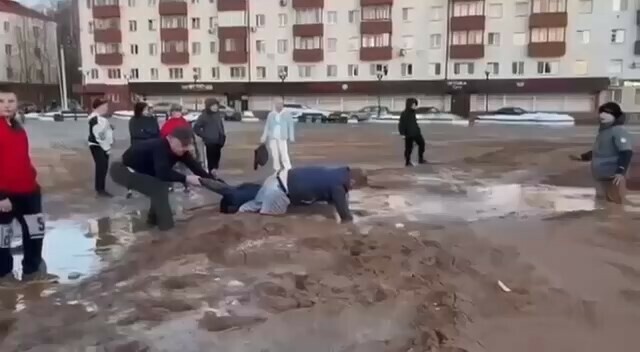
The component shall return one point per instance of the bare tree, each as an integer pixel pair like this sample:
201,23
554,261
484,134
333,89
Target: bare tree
26,60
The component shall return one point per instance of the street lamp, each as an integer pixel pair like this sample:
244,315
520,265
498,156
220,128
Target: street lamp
195,81
283,77
127,77
487,73
380,75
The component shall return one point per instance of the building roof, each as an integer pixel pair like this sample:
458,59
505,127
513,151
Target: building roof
16,8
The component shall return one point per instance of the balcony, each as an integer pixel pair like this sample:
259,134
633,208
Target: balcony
307,4
471,51
547,49
110,35
175,58
308,30
106,11
232,5
172,8
376,53
308,55
376,27
174,34
113,59
233,57
375,2
548,20
467,23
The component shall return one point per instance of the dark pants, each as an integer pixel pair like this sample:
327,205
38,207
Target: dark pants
214,152
101,161
408,147
157,191
232,196
27,211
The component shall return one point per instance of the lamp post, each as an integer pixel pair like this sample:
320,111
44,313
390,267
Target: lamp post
195,81
127,77
380,75
283,77
487,73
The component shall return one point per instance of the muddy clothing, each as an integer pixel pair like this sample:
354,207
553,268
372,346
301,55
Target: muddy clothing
611,152
142,128
311,184
17,174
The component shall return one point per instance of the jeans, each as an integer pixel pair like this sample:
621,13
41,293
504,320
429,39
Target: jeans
101,162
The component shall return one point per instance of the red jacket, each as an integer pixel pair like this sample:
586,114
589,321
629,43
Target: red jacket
173,123
17,174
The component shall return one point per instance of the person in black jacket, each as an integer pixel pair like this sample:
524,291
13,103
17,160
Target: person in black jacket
143,125
408,127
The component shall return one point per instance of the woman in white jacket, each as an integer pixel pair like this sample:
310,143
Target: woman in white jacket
100,142
278,132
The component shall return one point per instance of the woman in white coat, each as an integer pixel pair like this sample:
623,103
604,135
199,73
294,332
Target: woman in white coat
278,132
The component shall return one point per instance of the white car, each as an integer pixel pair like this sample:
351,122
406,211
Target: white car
303,112
230,114
519,115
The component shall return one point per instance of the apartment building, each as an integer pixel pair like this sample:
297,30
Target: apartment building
554,55
29,57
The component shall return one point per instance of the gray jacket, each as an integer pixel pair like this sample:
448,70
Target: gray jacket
210,127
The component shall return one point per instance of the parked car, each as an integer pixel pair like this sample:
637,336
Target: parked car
162,108
303,112
230,114
370,112
28,107
519,115
337,117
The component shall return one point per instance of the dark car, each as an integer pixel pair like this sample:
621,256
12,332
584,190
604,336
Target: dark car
28,107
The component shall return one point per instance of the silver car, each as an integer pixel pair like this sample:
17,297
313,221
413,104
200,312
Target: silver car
370,112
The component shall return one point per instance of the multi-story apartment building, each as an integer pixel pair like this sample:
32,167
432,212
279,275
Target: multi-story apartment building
557,55
29,57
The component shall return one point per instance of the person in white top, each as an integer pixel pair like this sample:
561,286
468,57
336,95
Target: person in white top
278,132
100,142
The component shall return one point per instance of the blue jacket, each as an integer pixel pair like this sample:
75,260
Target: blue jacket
320,184
285,123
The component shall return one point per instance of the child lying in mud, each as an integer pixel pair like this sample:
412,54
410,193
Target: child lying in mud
300,185
610,155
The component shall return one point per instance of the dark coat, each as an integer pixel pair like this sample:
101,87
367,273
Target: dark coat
143,128
320,184
408,124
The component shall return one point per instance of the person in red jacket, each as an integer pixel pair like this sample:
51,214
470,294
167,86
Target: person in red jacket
20,199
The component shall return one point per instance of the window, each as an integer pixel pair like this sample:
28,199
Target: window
151,3
212,22
547,67
436,13
493,68
493,39
585,6
549,6
282,20
309,16
215,72
153,49
435,41
134,73
519,39
616,95
434,69
92,49
466,37
154,73
133,26
354,43
580,67
305,71
495,11
353,70
463,68
332,44
8,50
468,8
114,73
544,35
178,46
332,17
175,73
620,5
108,48
584,36
132,3
94,73
376,13
407,14
7,26
9,73
283,46
517,68
261,46
213,47
89,2
197,72
636,97
230,44
354,16
90,29
260,21
237,72
617,36
283,69
306,43
261,72
408,42
332,70
376,40
615,66
522,8
152,25
406,70
195,1
173,22
134,49
195,23
374,69
195,48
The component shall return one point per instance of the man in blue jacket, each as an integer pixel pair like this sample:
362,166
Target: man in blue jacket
298,186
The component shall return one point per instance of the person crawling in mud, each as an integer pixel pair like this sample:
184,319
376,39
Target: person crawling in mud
147,167
297,186
611,154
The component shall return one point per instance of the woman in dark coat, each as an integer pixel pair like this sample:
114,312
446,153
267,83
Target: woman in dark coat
408,127
143,126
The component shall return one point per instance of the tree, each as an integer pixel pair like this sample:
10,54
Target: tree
25,44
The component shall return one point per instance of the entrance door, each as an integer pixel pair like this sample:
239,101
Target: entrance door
461,104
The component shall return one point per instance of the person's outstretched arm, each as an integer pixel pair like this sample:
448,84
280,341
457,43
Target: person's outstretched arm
190,162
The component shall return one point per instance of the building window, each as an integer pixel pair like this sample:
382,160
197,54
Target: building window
354,44
436,13
305,71
493,39
309,16
407,14
467,37
230,44
585,6
616,95
545,35
153,49
197,72
94,73
620,5
545,6
173,22
175,73
406,70
195,23
261,46
152,25
332,17
8,50
493,68
517,68
435,41
175,47
547,67
7,26
495,11
108,48
261,72
238,72
260,21
376,40
132,3
92,49
519,39
354,16
374,69
615,66
636,96
580,67
134,73
282,20
133,26
90,28
212,22
134,49
522,9
89,3
307,43
468,8
113,73
283,46
283,69
215,72
151,3
434,69
408,42
154,73
584,36
213,47
376,13
332,71
332,44
463,68
353,70
9,73
617,36
195,48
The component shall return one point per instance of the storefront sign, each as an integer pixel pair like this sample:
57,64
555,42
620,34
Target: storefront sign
196,87
456,84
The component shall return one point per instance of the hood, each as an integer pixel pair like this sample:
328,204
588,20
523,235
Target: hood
208,103
139,108
615,110
408,104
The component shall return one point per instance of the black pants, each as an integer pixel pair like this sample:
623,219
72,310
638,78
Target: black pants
101,161
27,211
408,147
159,208
214,152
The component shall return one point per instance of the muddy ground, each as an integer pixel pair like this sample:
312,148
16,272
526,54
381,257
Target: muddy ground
496,246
